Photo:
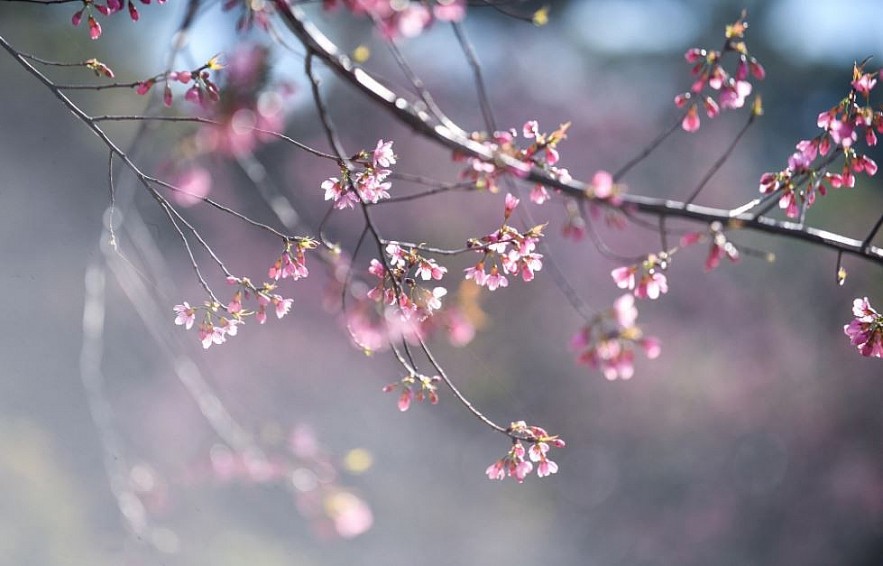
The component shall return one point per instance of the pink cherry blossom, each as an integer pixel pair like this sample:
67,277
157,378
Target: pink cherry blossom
397,255
342,197
530,130
382,156
624,277
282,306
496,279
496,471
510,204
539,194
865,83
865,331
842,133
602,184
733,95
477,274
186,315
651,286
428,269
624,310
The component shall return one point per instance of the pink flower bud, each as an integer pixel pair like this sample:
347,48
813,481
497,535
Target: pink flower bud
145,86
693,55
167,96
94,28
691,122
757,69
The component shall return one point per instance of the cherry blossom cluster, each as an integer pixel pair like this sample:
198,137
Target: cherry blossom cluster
608,341
368,185
301,466
251,104
541,152
252,13
403,18
202,91
372,329
605,198
508,251
646,279
519,462
292,262
396,287
798,184
865,331
719,247
219,321
713,81
426,389
111,7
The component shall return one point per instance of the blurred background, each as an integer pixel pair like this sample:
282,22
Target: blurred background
755,439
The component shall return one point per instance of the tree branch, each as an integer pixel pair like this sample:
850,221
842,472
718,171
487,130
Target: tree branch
454,138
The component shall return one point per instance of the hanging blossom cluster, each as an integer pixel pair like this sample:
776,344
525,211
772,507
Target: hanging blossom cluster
609,340
604,199
716,88
519,462
217,322
646,279
541,152
397,286
403,18
865,331
426,389
719,247
252,12
308,472
111,7
366,186
807,173
508,251
251,105
203,91
397,306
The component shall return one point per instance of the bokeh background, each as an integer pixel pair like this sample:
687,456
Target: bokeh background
755,439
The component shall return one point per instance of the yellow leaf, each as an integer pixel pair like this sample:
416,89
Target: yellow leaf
757,106
214,63
541,16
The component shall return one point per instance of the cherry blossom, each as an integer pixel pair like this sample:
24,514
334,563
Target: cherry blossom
608,341
382,156
518,462
709,72
645,279
186,315
541,153
806,176
865,331
426,389
403,18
